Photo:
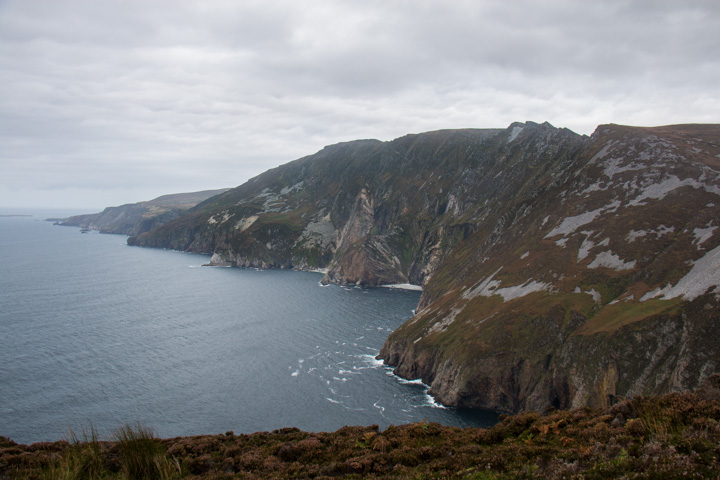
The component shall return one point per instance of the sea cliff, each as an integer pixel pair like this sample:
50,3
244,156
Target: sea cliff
558,270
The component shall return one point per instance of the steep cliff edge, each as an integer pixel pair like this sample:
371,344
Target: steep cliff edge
557,269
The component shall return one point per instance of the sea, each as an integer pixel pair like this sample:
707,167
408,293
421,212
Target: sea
95,335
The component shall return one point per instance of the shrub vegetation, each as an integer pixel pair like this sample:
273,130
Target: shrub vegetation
670,436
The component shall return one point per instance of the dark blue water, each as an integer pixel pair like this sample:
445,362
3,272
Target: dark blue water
93,332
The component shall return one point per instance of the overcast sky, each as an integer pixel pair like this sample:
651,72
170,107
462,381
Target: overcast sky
107,102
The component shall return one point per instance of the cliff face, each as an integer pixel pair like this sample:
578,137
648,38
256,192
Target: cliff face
557,269
601,286
371,212
136,218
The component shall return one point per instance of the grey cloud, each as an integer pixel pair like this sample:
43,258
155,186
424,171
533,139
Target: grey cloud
169,95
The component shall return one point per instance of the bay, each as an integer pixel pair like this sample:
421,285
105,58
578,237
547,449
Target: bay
96,333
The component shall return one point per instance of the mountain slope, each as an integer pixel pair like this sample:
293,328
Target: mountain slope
557,269
136,218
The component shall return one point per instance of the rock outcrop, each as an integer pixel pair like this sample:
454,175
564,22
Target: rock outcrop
557,269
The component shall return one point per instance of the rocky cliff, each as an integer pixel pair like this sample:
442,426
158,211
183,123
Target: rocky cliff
371,212
557,269
601,285
137,218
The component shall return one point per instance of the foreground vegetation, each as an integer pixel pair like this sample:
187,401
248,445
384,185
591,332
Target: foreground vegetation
672,436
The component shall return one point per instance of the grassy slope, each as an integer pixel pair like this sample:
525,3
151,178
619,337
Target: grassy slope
671,436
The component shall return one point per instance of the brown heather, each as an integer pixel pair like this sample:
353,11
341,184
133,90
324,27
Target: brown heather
670,436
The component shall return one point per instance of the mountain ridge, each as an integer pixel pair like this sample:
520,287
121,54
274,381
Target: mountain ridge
558,270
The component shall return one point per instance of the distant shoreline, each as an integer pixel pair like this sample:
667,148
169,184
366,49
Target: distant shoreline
16,215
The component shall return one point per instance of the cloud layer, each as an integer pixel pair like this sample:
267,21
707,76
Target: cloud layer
113,102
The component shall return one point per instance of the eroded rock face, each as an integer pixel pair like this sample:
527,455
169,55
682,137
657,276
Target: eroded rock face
557,269
366,259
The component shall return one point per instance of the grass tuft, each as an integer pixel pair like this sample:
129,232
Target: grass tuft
143,455
83,460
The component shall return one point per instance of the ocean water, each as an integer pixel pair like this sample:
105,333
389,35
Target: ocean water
96,333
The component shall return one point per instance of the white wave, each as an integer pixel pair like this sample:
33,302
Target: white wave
370,359
379,407
434,404
295,373
331,400
353,409
405,381
429,399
